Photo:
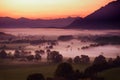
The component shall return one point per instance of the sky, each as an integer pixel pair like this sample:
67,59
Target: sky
49,9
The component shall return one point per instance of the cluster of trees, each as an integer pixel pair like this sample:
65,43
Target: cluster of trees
65,70
83,59
100,64
113,40
42,41
50,43
22,55
52,56
65,38
56,57
93,45
100,40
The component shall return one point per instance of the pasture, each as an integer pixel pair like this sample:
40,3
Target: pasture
20,71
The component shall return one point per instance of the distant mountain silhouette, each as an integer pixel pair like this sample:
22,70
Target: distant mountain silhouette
107,17
7,22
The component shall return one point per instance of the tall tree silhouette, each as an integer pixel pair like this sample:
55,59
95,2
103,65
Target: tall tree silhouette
65,70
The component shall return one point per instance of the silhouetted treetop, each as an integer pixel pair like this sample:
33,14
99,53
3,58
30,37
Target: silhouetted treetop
64,70
100,60
55,56
36,76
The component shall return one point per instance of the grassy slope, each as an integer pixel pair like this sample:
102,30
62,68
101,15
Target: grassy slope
111,74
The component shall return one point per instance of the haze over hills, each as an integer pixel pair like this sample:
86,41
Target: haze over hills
7,22
107,17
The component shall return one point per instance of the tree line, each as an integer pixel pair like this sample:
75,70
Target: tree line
65,70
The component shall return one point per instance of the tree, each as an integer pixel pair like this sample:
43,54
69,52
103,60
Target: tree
77,59
48,54
70,60
65,38
100,60
110,61
85,59
30,57
116,62
50,47
56,57
65,70
98,65
41,52
38,56
17,54
3,54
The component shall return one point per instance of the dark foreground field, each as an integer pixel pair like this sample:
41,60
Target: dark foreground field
20,71
111,74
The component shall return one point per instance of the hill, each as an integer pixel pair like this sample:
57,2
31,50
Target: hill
107,17
8,22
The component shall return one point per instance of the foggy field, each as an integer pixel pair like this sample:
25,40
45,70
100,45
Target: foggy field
70,48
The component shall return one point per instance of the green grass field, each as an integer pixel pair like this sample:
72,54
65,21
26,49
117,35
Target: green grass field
21,71
18,72
111,74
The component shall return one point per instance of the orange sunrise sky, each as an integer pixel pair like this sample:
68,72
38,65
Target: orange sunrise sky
49,9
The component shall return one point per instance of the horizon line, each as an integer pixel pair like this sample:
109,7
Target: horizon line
43,18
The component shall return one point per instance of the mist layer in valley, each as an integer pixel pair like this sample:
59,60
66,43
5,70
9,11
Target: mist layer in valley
69,43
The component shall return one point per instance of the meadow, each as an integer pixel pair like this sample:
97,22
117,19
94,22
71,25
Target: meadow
111,74
20,70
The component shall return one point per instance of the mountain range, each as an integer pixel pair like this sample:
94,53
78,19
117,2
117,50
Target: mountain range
107,17
8,22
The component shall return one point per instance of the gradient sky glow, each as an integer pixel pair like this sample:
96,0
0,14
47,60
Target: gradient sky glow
49,8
